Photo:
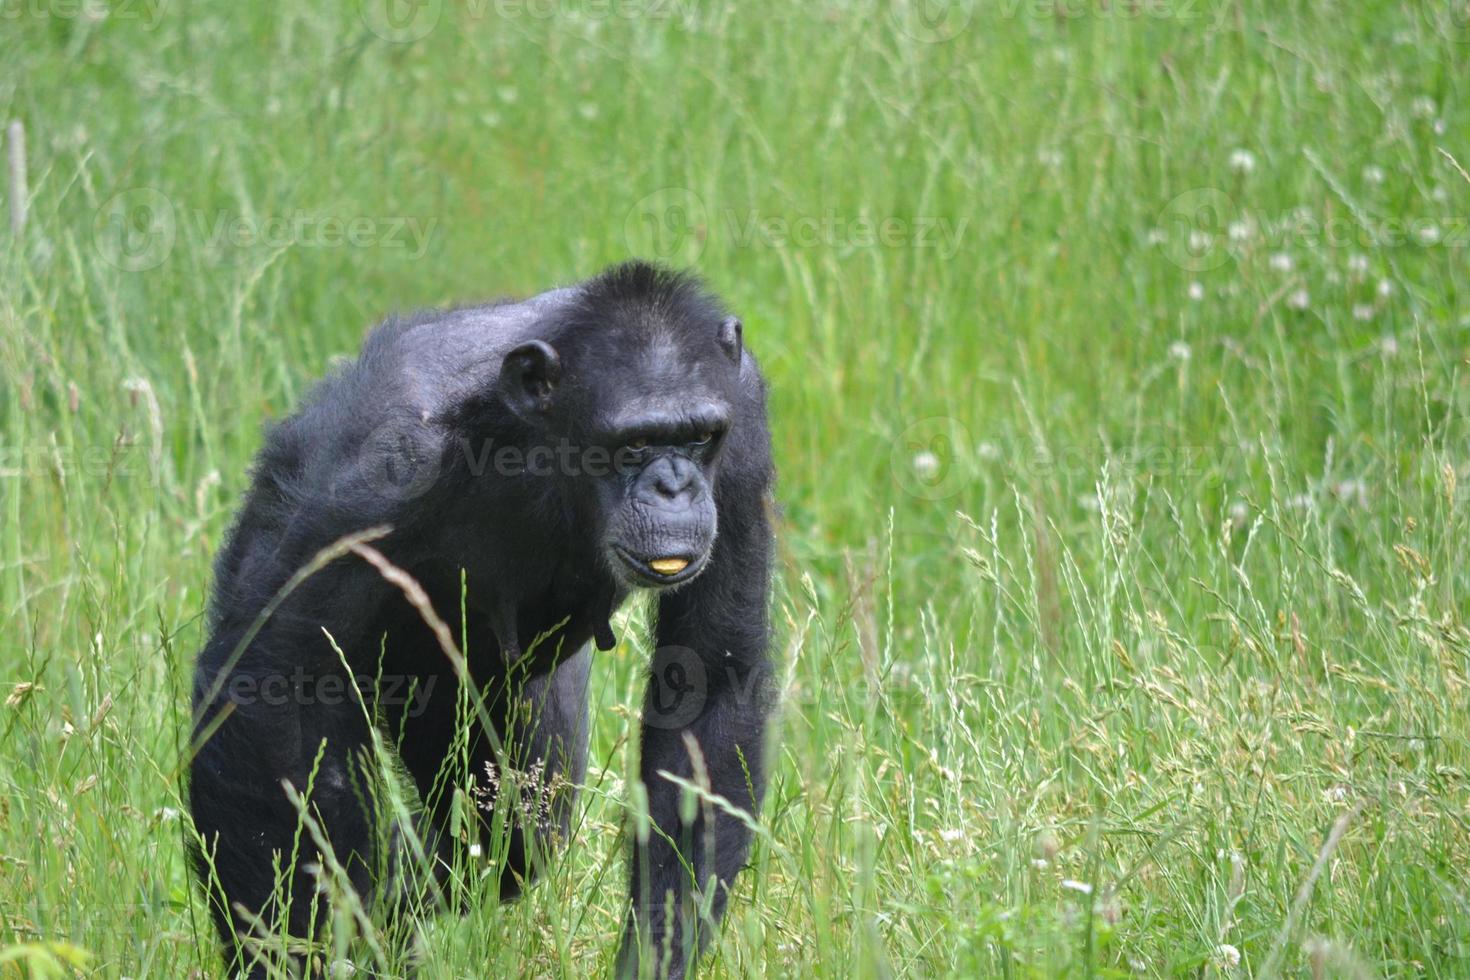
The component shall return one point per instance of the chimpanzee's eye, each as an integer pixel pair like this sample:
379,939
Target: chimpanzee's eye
639,443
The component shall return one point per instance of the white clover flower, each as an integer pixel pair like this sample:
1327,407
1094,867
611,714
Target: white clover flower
1077,886
1281,262
1239,514
1351,491
508,94
1388,345
926,465
951,835
1243,161
1385,288
987,451
1049,158
1440,127
1440,194
1422,107
1156,236
1427,234
1358,265
1179,350
1199,242
1374,174
1196,291
1363,311
588,110
1299,299
1239,231
1301,501
1336,794
1227,957
1040,864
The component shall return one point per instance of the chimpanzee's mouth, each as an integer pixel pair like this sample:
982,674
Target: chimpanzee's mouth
663,571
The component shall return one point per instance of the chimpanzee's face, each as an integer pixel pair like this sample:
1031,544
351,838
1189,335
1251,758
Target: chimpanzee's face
657,412
663,421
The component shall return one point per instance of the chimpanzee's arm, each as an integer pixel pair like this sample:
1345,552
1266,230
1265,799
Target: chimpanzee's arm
712,683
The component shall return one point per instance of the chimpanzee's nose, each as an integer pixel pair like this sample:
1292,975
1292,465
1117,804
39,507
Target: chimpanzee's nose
673,476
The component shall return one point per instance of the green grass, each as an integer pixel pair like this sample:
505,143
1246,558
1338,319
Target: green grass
1181,587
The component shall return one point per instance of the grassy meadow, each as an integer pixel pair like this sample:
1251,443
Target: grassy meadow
1118,373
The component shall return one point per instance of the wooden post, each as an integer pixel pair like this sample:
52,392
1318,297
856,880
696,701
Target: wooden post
19,195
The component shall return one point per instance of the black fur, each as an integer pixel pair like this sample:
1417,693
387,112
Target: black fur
421,435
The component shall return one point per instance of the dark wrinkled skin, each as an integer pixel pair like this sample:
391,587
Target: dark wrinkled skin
640,367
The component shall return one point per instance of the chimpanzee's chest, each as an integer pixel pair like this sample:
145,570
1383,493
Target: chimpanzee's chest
530,633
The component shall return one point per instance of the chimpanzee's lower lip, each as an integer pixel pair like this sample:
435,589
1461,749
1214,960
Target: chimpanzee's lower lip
645,571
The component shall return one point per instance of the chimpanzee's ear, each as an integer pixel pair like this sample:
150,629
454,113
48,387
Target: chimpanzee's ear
528,376
730,333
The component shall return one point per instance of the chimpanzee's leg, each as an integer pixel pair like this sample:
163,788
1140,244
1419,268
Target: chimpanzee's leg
539,746
259,863
546,741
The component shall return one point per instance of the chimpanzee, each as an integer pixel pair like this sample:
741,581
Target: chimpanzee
427,551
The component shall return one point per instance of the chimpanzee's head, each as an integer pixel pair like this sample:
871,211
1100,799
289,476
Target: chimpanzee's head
635,389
